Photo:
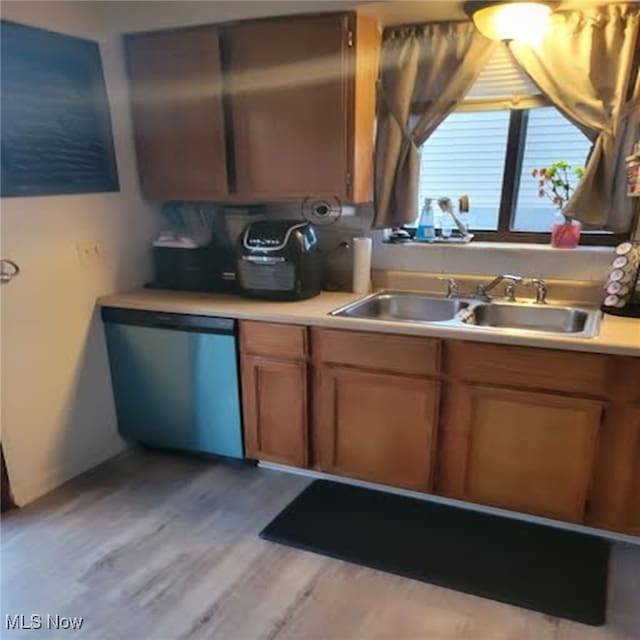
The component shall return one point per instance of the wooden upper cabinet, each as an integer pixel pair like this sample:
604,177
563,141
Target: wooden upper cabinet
176,96
302,102
520,450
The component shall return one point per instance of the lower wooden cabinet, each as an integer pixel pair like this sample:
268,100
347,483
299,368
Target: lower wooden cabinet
615,495
274,401
520,450
376,426
632,521
484,423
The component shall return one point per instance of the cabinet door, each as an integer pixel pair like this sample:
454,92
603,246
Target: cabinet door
376,427
615,495
289,94
529,452
632,520
176,95
632,524
274,394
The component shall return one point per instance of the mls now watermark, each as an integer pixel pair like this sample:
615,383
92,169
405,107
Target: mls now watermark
36,621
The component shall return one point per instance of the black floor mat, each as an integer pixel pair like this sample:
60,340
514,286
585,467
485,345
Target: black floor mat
553,571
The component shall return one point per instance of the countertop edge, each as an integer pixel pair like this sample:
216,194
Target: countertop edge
315,312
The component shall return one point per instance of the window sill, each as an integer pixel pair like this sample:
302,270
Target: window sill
516,247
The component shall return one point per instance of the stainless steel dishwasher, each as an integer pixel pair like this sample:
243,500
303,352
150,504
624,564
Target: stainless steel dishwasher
175,380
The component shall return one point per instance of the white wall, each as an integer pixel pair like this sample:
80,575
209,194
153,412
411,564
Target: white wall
57,409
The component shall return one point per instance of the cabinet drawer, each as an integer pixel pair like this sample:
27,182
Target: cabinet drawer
528,367
380,351
283,341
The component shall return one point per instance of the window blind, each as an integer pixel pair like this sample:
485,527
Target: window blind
502,84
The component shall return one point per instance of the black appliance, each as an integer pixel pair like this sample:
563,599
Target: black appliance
208,268
223,268
182,268
280,260
184,265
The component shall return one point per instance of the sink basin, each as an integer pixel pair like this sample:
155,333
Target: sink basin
531,318
403,307
473,314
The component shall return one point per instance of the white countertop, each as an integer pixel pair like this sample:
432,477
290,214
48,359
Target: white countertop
617,335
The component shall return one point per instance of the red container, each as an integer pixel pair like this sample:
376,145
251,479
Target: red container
565,236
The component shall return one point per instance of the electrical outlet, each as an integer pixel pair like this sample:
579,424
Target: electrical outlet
89,252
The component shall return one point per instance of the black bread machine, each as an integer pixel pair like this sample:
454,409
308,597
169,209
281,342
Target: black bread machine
280,260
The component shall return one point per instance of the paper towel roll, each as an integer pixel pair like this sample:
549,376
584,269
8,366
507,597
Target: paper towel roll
361,265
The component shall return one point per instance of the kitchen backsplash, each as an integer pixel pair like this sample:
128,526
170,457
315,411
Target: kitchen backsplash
585,264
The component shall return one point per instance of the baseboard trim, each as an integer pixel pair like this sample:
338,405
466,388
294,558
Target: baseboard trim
54,478
320,475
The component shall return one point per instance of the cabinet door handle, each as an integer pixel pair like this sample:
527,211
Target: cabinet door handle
8,270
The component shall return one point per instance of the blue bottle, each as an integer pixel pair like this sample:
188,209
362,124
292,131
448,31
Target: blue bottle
425,231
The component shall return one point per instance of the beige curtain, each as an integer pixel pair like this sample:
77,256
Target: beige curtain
425,72
587,65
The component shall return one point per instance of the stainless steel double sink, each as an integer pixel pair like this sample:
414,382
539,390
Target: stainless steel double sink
405,306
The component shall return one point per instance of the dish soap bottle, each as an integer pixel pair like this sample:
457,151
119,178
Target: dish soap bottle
425,231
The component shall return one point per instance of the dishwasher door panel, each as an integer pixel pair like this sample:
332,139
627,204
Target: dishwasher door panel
216,395
176,389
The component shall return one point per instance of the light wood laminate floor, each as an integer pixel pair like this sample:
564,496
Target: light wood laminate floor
159,546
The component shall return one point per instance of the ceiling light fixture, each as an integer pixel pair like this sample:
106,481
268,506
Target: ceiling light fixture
509,20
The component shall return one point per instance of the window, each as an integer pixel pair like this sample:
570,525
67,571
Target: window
465,155
488,148
549,137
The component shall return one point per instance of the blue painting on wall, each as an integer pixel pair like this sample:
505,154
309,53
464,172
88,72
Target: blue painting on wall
56,128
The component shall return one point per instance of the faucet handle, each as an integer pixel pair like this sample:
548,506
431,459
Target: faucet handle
510,292
452,287
541,290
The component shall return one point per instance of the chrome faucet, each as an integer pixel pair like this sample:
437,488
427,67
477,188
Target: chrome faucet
482,290
541,290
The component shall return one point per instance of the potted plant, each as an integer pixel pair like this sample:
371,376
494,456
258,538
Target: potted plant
554,183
